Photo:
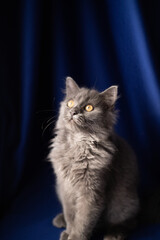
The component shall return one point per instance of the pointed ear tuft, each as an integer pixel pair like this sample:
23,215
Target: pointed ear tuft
71,86
110,95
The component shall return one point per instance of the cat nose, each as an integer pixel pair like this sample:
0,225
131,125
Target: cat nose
73,112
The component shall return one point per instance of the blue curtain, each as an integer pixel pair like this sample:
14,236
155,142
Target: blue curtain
98,43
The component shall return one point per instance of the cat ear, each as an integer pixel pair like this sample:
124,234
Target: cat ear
71,86
110,95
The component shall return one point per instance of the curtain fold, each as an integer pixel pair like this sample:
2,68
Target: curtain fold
99,43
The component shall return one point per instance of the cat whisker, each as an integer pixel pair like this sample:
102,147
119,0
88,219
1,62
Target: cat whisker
51,119
47,127
47,121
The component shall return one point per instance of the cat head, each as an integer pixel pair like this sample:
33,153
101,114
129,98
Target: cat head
87,109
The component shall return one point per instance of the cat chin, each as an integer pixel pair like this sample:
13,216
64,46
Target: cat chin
72,121
71,124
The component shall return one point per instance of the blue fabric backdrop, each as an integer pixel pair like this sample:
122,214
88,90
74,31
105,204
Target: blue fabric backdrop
98,43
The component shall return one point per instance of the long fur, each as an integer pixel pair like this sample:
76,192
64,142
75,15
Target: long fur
96,170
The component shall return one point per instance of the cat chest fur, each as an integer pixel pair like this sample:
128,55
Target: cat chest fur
80,164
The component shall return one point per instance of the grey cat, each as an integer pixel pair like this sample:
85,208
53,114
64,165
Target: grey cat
96,170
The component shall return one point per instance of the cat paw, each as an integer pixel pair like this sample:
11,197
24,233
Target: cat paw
64,236
114,237
59,221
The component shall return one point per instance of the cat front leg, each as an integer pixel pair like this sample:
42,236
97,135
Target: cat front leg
68,218
69,214
64,236
86,216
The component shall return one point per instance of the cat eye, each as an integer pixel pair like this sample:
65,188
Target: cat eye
89,108
70,103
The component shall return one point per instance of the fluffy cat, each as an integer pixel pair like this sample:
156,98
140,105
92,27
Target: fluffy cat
96,170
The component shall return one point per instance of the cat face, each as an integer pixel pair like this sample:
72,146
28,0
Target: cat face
85,109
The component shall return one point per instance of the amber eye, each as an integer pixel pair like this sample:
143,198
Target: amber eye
70,103
89,108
